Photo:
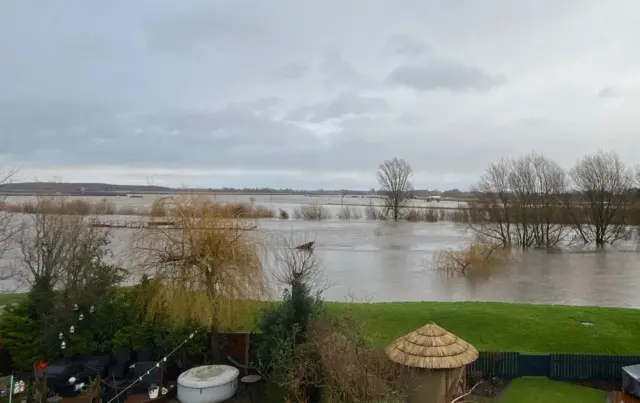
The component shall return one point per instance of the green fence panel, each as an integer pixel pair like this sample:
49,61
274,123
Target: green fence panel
575,367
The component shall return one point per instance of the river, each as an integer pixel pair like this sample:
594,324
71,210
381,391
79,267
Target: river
385,261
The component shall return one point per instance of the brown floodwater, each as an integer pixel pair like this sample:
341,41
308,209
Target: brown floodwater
384,261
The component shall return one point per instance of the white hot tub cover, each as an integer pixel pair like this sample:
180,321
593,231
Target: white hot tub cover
208,376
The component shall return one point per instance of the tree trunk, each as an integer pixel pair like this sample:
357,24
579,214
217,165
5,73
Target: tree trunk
216,348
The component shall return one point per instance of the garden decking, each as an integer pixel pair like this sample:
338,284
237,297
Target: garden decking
621,397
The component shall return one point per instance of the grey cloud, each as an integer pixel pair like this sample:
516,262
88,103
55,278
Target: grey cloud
294,70
346,103
406,45
217,138
608,92
341,73
410,120
204,85
234,137
532,121
443,75
20,118
206,26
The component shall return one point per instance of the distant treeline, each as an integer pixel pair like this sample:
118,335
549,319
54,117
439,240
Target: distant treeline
104,189
108,190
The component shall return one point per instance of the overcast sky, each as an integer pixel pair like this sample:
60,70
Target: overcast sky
311,94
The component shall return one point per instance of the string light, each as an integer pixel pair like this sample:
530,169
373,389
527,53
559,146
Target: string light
164,359
72,328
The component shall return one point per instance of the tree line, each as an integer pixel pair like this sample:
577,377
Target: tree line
530,201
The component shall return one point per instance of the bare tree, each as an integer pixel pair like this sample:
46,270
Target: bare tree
9,228
55,248
394,178
605,187
520,202
493,219
537,184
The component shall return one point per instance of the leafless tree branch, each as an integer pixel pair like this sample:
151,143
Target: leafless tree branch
604,184
394,177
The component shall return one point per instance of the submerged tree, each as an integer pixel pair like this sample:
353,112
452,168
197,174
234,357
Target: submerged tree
520,202
537,184
605,187
206,270
479,259
492,209
394,177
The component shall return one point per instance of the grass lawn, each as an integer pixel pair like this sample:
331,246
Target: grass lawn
10,298
492,326
542,390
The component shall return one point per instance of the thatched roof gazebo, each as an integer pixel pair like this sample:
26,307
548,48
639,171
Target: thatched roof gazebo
440,358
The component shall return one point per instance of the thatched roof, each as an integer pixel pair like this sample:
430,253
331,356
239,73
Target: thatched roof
431,347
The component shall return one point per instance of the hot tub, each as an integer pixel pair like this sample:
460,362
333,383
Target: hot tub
208,384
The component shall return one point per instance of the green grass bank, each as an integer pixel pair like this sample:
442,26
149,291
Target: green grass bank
493,326
10,298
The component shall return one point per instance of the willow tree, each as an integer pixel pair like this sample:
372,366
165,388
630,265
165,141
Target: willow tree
205,268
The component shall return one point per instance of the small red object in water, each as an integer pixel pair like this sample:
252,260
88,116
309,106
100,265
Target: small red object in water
306,246
42,365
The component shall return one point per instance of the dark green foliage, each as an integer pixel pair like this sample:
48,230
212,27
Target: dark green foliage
30,330
156,333
20,335
285,325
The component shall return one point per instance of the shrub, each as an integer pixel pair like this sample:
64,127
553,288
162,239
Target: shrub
311,212
283,214
127,210
423,214
62,206
104,207
156,332
282,350
374,213
176,205
481,257
158,208
351,367
349,213
19,335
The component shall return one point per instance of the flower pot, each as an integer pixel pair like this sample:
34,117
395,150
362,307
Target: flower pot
153,392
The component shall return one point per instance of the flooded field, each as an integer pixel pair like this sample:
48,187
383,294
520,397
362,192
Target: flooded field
384,261
275,202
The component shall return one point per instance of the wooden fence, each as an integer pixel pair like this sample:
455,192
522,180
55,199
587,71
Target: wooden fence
565,367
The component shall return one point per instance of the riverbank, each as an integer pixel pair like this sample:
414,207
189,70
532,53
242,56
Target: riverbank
493,326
